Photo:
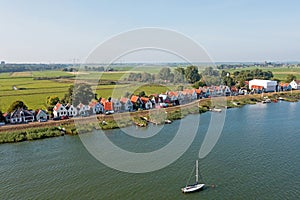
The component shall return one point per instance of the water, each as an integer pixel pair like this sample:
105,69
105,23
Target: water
256,157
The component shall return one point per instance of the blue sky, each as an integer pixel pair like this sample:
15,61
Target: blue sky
59,31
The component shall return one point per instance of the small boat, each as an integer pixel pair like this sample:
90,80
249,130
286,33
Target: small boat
167,121
216,110
194,187
267,101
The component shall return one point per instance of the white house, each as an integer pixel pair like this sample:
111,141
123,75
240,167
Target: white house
116,105
295,85
147,103
226,91
83,109
59,110
41,115
268,85
127,104
72,111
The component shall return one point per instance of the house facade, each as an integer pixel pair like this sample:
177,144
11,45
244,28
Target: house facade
72,111
127,105
41,115
21,116
60,110
295,85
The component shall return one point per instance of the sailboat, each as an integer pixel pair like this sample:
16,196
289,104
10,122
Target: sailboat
195,187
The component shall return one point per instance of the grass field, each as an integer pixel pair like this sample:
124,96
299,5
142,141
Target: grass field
35,92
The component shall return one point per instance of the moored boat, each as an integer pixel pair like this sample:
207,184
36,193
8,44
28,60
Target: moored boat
194,187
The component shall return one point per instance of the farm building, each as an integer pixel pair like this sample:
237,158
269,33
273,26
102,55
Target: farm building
265,85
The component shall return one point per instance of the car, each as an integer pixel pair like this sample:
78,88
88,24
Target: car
64,117
42,120
56,118
109,112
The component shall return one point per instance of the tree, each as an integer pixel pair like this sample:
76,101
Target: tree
82,93
2,118
165,74
17,105
52,100
199,84
290,78
142,94
179,75
146,77
191,74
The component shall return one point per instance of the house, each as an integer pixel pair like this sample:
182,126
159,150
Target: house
190,93
21,116
127,105
97,107
295,85
285,87
173,96
59,110
107,105
83,110
6,117
257,89
147,103
234,90
72,111
116,105
137,102
267,85
226,91
41,115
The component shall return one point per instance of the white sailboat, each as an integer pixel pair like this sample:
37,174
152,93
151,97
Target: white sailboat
195,187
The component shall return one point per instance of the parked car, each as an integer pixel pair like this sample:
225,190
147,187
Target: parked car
64,117
56,118
109,112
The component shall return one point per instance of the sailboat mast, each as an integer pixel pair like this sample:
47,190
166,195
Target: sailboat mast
196,171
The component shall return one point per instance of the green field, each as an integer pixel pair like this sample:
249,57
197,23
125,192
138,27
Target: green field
34,92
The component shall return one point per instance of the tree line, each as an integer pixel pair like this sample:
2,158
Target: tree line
209,76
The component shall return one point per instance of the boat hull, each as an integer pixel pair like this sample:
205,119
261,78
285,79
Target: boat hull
192,188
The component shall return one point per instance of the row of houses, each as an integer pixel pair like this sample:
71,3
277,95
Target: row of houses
170,98
24,116
259,86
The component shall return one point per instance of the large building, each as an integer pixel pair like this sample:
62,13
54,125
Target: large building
264,85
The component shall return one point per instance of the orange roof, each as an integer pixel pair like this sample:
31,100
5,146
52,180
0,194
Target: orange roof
123,99
284,84
57,106
233,88
171,93
257,87
134,98
144,99
198,91
103,101
108,106
92,103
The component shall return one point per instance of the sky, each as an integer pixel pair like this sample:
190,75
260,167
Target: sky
39,31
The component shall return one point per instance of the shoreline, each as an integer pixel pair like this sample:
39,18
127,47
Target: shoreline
38,130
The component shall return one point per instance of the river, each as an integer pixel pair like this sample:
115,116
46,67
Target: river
256,157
